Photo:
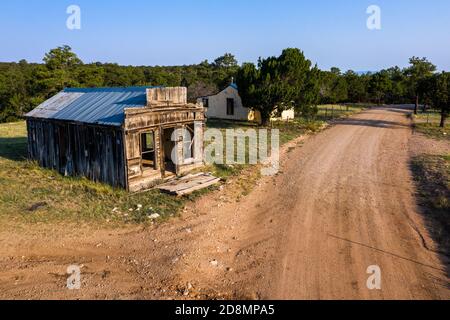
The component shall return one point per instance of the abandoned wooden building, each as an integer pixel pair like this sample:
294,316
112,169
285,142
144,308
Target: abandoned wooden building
129,138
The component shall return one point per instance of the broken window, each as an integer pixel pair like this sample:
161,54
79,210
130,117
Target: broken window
148,150
188,143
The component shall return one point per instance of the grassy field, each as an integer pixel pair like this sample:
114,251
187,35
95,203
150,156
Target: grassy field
432,176
31,194
428,124
332,111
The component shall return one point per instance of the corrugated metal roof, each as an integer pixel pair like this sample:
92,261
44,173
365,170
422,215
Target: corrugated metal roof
92,105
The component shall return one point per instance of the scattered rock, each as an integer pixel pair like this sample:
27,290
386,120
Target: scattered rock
37,206
214,263
154,216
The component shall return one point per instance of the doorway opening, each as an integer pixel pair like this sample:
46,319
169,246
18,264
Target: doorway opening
169,146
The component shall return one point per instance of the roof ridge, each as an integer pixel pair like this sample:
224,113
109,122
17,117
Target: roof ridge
110,89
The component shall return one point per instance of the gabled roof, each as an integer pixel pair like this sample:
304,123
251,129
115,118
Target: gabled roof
103,106
232,85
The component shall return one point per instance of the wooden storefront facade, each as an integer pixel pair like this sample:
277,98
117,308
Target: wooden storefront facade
155,142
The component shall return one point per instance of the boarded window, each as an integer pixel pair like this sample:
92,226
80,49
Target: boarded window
148,150
230,107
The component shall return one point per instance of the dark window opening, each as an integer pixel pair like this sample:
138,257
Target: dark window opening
230,107
148,150
206,102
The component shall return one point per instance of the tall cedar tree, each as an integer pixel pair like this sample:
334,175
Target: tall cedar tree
278,84
419,69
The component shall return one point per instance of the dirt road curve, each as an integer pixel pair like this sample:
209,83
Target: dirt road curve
343,201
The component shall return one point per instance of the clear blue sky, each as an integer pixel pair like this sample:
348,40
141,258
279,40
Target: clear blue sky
176,32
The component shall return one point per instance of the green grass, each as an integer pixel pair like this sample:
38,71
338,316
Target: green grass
432,176
13,140
428,124
32,194
332,111
292,129
428,117
434,131
288,131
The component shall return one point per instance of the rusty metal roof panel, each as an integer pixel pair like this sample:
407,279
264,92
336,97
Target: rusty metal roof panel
103,106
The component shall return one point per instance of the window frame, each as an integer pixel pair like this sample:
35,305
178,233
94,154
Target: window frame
145,166
191,145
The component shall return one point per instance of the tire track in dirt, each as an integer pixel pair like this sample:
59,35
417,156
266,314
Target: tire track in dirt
339,206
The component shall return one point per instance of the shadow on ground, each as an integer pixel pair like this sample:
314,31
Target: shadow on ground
13,148
431,177
371,123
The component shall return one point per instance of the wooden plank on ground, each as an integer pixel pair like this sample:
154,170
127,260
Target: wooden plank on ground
189,184
193,183
199,187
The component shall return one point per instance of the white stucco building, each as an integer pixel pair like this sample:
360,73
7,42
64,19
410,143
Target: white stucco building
227,105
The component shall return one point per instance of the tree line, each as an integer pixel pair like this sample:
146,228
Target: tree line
290,81
271,85
25,85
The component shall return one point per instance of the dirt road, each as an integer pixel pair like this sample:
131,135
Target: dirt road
346,204
343,201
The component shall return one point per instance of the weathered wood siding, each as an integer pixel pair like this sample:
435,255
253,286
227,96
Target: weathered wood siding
141,119
167,96
94,152
138,121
